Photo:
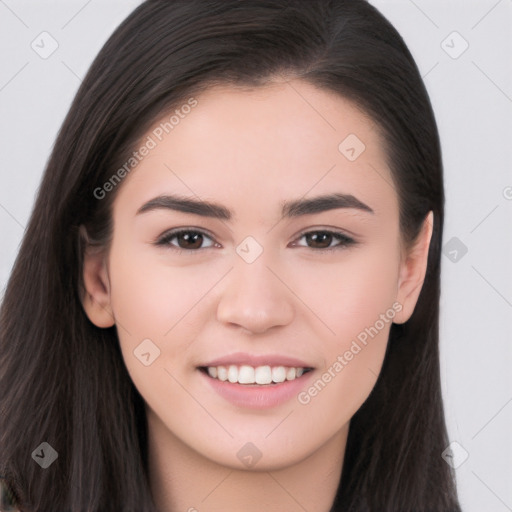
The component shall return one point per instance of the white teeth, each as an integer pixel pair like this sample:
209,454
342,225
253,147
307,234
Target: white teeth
246,375
279,374
222,373
291,374
261,375
233,374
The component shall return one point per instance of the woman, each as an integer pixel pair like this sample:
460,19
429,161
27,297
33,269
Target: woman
228,292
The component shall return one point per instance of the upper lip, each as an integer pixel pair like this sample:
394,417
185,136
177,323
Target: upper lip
241,358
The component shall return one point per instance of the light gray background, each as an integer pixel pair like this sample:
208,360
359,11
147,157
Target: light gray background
472,96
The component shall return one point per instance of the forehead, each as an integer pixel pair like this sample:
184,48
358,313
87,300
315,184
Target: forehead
246,146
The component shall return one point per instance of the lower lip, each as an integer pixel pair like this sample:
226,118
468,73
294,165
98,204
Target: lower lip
255,396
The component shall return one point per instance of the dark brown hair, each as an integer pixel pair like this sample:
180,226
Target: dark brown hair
63,380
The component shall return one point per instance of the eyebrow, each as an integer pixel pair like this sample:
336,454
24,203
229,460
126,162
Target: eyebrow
294,208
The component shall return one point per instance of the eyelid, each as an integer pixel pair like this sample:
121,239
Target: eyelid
323,229
331,229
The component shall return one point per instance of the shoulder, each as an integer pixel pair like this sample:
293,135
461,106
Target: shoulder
7,503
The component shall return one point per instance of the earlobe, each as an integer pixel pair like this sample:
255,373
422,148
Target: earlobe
413,270
96,295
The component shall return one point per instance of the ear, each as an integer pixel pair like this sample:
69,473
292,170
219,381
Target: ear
413,268
96,296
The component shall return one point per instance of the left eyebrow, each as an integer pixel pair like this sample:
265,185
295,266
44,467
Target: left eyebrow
323,203
295,208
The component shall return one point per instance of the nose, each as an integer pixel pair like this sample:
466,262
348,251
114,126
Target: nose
254,298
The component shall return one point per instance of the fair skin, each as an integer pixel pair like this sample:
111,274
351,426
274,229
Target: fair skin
249,151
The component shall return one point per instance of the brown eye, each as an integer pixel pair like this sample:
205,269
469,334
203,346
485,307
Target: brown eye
324,239
190,240
185,239
320,240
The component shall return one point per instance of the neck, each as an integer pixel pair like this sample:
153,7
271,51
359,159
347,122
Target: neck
182,480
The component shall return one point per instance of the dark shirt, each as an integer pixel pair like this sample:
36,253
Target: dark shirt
7,503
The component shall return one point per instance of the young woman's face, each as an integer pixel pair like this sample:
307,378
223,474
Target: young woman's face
296,274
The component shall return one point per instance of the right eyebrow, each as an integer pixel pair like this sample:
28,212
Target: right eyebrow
186,205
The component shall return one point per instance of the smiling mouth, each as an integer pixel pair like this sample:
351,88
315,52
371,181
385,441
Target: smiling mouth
254,375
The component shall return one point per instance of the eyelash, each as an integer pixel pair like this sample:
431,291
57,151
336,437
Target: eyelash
344,240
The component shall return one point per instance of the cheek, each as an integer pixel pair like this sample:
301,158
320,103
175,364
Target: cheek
353,356
357,302
153,301
149,296
353,292
165,304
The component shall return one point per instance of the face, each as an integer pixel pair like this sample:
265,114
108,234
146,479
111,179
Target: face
264,319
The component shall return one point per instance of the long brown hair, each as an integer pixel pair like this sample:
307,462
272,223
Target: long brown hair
63,380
